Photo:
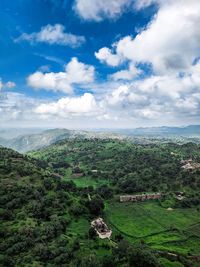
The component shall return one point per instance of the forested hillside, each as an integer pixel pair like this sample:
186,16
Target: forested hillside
125,166
50,196
45,221
36,211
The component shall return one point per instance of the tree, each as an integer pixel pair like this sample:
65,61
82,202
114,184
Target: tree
142,257
92,233
96,205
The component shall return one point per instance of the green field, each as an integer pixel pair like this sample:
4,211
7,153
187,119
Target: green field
176,230
84,181
78,227
87,181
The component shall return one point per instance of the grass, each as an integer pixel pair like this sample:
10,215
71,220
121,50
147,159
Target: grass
191,245
176,230
78,227
167,263
85,181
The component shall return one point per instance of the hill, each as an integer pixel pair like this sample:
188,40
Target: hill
190,130
27,142
119,167
24,140
45,221
131,167
38,212
49,197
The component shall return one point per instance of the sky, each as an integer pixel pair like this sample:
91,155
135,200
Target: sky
99,64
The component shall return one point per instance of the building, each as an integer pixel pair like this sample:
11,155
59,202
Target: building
101,228
189,165
142,197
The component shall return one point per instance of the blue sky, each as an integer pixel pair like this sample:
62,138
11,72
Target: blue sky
89,63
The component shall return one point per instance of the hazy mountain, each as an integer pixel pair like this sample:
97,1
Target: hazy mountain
24,143
8,133
28,142
191,130
38,138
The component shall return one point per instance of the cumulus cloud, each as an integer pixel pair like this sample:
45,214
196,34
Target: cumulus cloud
8,85
95,10
158,97
84,105
98,10
140,4
105,55
128,74
170,45
53,34
171,93
75,73
154,100
16,107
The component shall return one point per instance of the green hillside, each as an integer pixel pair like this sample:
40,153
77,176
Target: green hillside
125,166
43,218
50,196
173,230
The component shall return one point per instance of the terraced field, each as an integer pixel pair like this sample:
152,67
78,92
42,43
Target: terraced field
175,230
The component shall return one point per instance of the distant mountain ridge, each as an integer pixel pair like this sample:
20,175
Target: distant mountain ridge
163,130
28,142
39,139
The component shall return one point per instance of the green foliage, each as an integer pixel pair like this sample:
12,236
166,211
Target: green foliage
96,205
92,233
36,211
140,257
173,230
47,205
123,166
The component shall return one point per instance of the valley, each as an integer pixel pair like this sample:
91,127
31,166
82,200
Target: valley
50,197
114,167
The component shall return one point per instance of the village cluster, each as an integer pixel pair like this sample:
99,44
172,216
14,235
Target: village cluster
189,164
142,197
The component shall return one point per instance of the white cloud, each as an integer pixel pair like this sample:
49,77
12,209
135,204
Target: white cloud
16,107
171,95
44,68
124,98
129,74
70,112
170,42
84,105
170,45
75,73
140,4
105,55
51,58
8,85
53,34
158,97
156,100
98,10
